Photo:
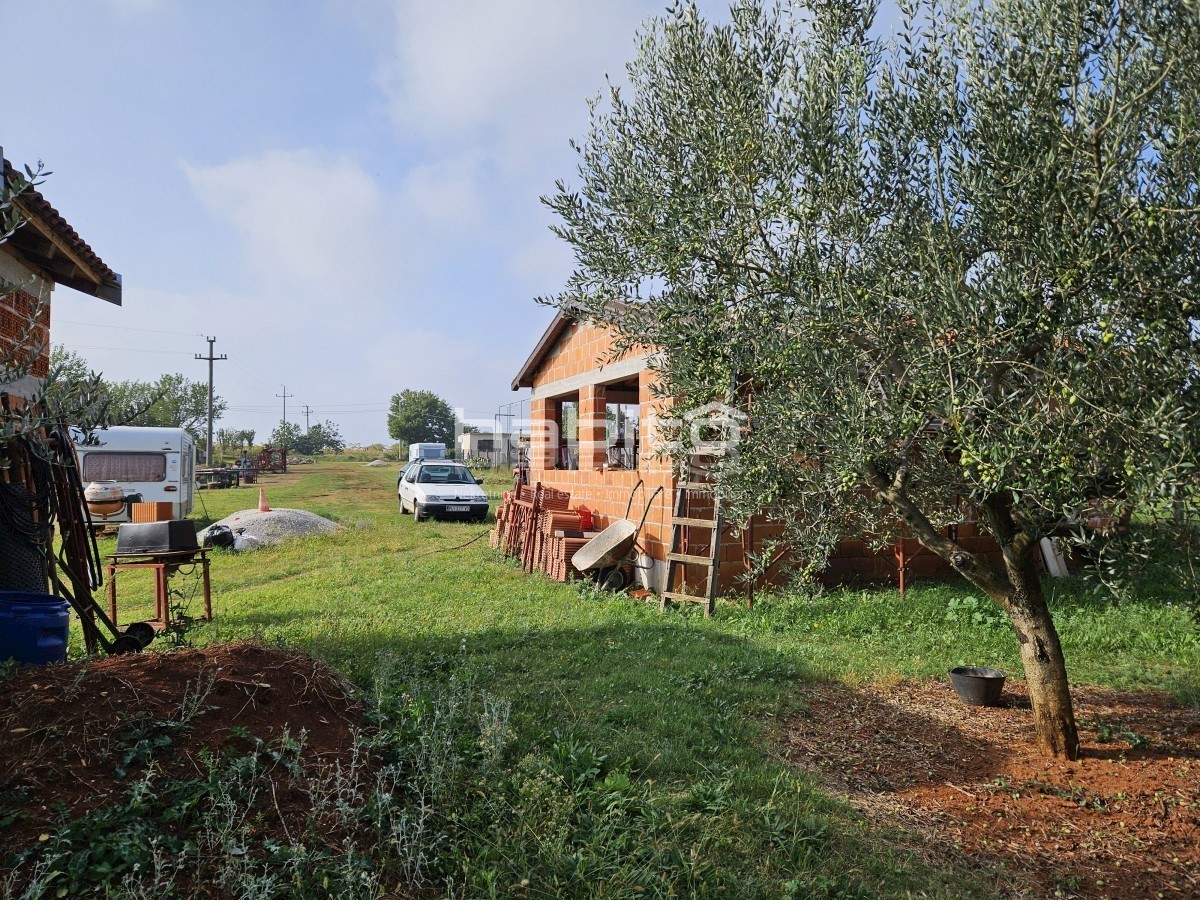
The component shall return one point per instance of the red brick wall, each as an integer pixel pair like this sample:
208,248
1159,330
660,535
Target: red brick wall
582,349
604,491
17,309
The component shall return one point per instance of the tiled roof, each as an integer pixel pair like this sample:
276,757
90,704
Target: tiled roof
93,277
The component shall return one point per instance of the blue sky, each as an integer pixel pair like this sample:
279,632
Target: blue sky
343,192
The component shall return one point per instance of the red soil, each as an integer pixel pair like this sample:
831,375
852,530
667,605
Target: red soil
61,726
1123,821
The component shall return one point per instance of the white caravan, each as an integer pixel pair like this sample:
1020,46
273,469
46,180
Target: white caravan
426,451
157,463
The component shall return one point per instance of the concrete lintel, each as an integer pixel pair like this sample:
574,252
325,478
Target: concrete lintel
631,365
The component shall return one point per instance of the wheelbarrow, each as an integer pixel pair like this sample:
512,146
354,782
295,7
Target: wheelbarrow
609,555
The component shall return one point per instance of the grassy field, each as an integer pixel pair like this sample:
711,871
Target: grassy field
628,752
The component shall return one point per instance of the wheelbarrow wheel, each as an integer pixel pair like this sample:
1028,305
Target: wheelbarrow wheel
142,632
612,578
125,643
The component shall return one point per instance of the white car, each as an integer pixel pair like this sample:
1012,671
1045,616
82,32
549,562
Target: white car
440,488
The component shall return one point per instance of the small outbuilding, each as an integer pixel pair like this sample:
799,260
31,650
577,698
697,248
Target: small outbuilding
595,427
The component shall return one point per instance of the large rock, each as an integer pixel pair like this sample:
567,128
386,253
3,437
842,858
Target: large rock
275,526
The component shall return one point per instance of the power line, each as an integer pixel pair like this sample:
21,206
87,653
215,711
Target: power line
127,349
129,328
251,373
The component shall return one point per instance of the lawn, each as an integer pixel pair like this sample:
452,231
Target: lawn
635,751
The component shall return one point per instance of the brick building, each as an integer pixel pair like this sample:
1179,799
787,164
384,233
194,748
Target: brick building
594,424
45,251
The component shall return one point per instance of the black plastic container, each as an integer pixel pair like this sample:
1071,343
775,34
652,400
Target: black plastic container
978,686
157,537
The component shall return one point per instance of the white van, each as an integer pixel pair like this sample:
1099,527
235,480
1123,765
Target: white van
158,463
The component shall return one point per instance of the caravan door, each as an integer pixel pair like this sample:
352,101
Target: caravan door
187,476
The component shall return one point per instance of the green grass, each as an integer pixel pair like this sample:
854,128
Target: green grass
640,756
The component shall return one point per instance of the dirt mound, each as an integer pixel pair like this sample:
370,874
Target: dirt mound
70,735
1122,821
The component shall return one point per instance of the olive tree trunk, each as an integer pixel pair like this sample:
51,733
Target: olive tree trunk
1042,659
1018,590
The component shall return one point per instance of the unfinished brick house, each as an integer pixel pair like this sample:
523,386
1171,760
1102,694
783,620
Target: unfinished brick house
45,251
592,432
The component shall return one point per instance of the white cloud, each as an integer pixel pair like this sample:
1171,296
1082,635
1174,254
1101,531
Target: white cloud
480,65
449,191
309,221
544,262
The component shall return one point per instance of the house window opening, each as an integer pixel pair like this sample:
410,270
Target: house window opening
568,431
623,434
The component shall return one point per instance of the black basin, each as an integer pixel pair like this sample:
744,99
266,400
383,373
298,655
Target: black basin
978,686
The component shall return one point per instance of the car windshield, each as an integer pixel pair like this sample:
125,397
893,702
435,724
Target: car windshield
445,475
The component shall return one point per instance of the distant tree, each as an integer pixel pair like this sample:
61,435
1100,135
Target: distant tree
420,417
68,365
464,428
172,401
286,434
224,438
68,369
323,437
245,438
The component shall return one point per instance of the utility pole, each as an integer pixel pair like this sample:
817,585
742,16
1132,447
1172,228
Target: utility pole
211,359
307,413
285,396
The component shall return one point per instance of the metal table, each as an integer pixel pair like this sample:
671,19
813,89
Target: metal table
164,565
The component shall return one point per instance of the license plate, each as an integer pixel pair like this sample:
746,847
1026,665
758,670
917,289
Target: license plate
458,509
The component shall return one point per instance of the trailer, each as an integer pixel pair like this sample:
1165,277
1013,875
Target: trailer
426,451
124,465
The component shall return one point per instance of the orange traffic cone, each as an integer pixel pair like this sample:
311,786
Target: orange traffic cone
263,506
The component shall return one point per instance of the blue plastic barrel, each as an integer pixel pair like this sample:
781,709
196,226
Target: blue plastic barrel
33,627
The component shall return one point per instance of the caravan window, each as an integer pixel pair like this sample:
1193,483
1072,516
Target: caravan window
125,467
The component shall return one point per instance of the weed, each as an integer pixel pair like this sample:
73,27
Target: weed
972,611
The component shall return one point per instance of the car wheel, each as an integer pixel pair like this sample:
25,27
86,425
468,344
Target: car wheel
417,514
403,511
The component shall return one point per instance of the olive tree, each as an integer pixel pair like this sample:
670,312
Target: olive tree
951,272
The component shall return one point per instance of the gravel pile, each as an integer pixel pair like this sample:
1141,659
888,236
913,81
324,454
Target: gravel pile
377,464
276,525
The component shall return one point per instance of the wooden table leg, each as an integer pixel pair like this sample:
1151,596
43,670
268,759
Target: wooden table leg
160,595
207,589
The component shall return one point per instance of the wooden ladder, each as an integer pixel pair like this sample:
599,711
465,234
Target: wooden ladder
678,560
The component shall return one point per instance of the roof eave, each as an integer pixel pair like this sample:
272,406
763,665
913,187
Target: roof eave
56,248
553,332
